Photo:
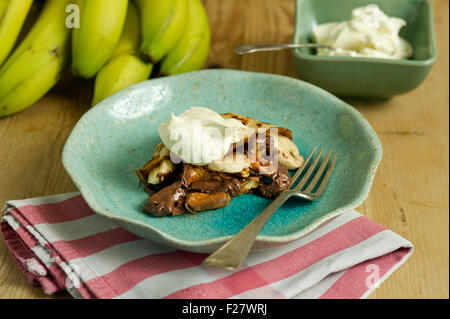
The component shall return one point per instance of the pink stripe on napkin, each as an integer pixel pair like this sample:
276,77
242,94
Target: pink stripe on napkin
86,246
346,258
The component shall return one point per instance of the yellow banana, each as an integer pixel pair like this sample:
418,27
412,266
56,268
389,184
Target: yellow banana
12,17
162,26
101,24
118,74
131,34
32,16
3,5
35,66
125,67
191,51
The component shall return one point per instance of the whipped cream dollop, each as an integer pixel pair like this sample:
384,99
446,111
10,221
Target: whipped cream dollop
370,33
200,135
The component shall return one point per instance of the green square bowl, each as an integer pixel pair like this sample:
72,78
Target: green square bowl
360,76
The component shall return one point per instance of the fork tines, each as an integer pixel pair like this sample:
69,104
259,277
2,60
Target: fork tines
314,177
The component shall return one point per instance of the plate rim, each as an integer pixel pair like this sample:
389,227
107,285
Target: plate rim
198,244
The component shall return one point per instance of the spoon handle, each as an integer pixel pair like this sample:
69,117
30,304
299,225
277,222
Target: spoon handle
243,49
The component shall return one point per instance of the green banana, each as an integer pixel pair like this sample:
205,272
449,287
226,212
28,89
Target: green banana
12,18
191,51
162,27
118,74
101,24
125,67
37,63
32,16
131,33
3,5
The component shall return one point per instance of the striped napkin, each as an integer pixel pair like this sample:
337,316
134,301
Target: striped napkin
59,243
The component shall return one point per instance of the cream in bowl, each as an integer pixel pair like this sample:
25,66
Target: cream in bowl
369,33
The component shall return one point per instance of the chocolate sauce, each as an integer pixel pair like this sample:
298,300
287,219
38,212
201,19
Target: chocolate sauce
278,182
168,201
231,185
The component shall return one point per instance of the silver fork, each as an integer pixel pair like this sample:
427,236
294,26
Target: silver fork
233,253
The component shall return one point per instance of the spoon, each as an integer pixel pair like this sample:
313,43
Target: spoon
243,49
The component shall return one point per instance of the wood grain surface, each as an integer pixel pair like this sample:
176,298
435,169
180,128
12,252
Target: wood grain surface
410,191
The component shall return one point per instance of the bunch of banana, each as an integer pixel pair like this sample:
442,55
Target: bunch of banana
118,42
36,64
125,67
101,24
174,32
12,17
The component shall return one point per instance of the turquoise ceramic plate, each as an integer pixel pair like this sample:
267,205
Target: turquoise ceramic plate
119,135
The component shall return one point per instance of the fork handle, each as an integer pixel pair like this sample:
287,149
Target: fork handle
233,253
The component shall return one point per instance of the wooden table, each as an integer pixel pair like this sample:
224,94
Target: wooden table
410,192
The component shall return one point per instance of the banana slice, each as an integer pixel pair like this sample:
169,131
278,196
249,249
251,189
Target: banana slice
231,164
160,172
158,168
256,125
249,184
288,153
164,168
161,151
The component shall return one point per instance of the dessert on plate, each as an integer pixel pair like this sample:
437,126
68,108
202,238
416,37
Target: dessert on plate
205,159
